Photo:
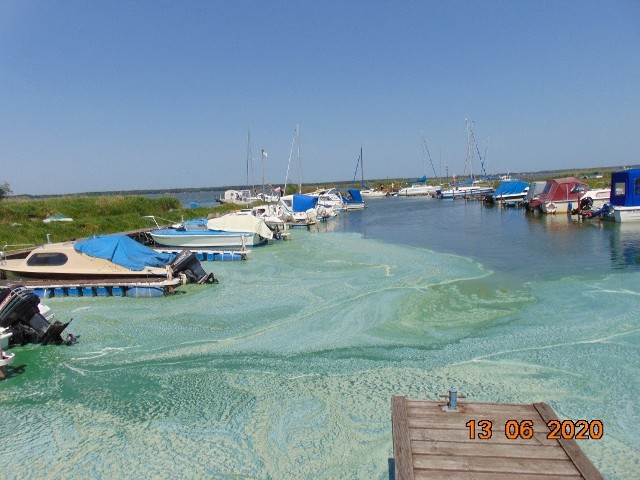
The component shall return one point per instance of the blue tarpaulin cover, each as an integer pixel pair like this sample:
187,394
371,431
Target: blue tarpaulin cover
302,203
123,251
422,179
510,187
351,195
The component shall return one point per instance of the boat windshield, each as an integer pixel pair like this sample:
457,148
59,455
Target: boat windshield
48,259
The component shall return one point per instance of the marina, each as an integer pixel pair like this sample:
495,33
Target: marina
286,367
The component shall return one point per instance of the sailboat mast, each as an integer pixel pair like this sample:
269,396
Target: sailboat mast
299,158
248,153
286,177
469,159
361,169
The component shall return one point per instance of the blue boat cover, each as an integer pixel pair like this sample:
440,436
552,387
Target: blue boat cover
355,194
510,187
123,251
629,195
423,179
352,195
302,203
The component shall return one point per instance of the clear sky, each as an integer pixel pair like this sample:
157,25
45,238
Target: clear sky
100,95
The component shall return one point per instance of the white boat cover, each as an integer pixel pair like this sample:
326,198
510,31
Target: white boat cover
240,223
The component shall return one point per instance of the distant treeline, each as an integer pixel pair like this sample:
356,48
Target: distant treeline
543,174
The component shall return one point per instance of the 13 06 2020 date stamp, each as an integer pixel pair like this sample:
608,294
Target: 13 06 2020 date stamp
524,429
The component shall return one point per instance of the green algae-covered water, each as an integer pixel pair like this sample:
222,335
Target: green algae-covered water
286,368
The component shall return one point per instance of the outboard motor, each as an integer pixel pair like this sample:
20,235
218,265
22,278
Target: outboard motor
187,262
19,312
586,203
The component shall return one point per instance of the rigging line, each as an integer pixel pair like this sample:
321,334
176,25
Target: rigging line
429,154
356,170
478,150
286,177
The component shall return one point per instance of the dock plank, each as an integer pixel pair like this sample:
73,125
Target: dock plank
430,443
505,450
401,442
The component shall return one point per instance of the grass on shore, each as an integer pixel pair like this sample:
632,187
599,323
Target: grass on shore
21,220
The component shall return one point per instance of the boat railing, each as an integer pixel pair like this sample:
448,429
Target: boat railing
155,219
13,249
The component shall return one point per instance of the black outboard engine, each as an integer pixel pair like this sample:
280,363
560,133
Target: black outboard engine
586,203
20,314
187,262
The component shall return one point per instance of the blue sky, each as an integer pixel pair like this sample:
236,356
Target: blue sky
102,95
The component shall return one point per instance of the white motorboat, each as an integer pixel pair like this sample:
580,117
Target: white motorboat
299,209
373,193
228,231
418,189
238,197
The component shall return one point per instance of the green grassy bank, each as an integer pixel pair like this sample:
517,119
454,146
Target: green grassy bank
21,220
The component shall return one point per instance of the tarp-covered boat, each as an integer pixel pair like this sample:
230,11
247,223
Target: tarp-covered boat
102,257
510,192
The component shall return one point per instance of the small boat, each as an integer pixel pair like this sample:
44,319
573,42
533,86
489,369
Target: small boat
101,257
238,197
535,189
58,217
470,189
418,189
271,214
299,209
228,231
369,192
624,201
365,191
329,198
509,193
560,195
351,198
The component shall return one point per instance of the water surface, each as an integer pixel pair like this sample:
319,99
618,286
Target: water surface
286,368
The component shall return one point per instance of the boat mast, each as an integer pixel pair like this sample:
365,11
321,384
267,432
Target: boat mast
299,158
469,159
361,169
248,153
286,177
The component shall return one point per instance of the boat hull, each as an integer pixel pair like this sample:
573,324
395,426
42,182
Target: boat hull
206,239
558,206
16,274
373,194
417,190
626,214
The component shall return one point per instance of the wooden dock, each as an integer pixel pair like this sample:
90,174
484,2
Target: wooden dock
486,441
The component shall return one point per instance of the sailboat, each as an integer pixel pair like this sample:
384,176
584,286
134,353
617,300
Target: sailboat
297,209
471,187
365,191
419,185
